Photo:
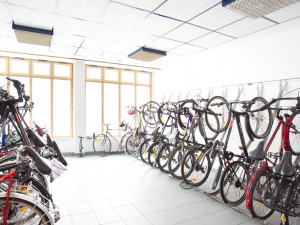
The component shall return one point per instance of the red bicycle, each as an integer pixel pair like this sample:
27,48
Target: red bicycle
260,183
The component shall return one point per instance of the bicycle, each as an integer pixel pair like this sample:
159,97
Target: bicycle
102,142
290,135
234,175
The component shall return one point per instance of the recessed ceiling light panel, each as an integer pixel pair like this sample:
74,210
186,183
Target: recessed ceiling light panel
256,8
31,35
147,54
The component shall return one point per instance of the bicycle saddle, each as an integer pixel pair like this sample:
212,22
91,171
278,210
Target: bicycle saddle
258,153
285,167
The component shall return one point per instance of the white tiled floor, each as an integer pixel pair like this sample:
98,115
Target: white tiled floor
119,189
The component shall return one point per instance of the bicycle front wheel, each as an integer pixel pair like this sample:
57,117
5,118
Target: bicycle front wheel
163,158
102,145
294,133
259,123
175,161
217,106
132,145
233,184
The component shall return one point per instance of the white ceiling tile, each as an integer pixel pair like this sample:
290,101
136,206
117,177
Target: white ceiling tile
186,33
63,49
163,44
186,50
71,26
113,56
6,30
157,25
211,40
89,52
108,46
216,17
185,10
170,57
8,41
246,26
33,47
87,9
120,15
44,5
67,39
286,13
145,4
4,15
31,17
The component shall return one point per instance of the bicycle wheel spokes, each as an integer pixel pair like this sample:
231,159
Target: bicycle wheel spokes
294,133
163,158
233,183
175,161
260,122
261,186
196,168
217,106
102,145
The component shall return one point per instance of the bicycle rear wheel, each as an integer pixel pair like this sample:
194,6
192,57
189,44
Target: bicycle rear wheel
163,158
102,145
163,114
143,150
132,145
149,112
175,161
234,181
259,123
256,190
195,167
24,212
294,134
217,106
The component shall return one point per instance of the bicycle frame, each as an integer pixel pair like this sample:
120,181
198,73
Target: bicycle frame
6,209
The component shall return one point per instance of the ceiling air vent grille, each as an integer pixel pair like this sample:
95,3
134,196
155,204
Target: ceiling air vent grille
147,54
31,35
256,8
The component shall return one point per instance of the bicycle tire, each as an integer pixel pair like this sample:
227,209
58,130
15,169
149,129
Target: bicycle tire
175,160
35,211
163,158
153,152
195,167
235,176
181,118
150,107
132,145
143,150
259,123
162,115
222,112
102,145
256,189
124,139
210,135
294,133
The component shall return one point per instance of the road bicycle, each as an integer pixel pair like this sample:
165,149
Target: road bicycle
234,169
102,142
290,142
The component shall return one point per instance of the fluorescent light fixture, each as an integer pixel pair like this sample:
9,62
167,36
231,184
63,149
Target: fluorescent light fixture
256,8
31,35
147,54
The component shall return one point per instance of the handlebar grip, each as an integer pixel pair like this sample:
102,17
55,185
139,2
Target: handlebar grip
39,163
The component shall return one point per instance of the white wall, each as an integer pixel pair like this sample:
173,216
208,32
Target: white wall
267,55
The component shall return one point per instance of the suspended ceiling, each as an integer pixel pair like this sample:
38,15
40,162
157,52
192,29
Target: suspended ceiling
109,30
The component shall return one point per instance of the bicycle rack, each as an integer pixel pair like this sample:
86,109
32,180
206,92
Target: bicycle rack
80,146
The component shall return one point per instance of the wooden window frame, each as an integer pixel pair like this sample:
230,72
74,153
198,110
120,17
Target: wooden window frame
119,82
51,77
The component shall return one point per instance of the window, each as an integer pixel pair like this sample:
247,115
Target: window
107,99
49,84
